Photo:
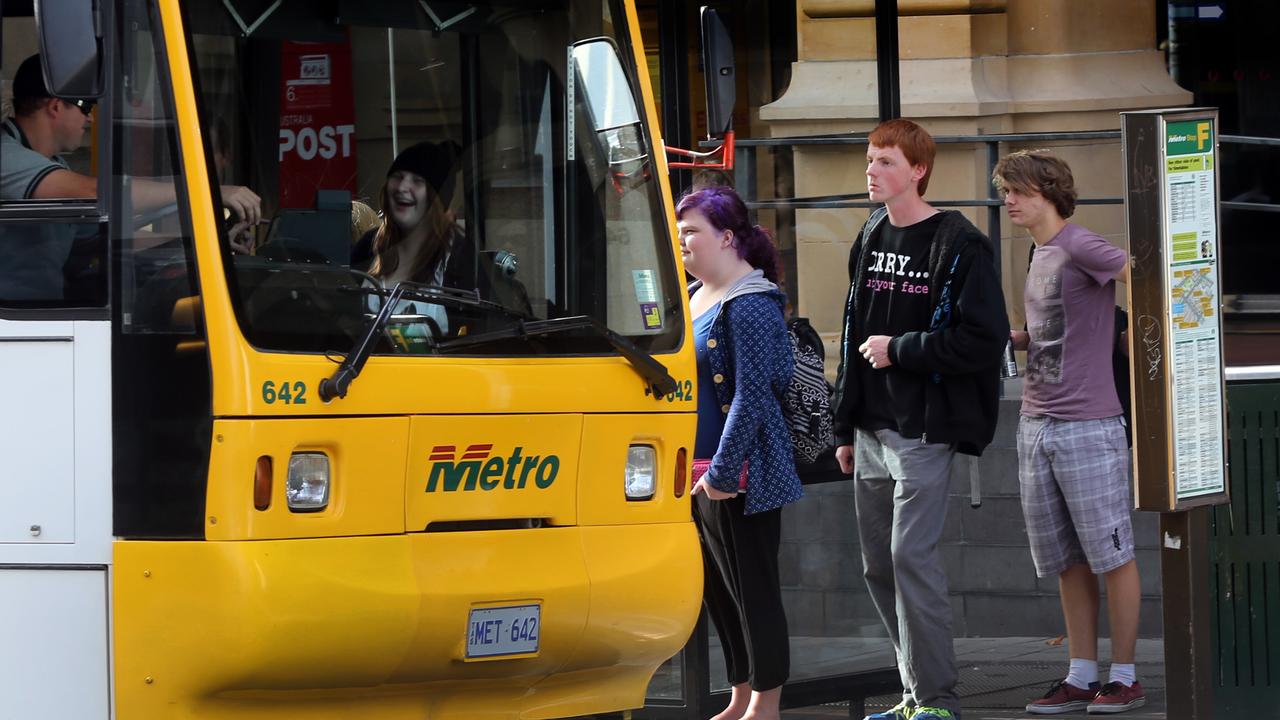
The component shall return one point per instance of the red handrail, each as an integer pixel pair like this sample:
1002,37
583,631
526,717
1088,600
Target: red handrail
726,156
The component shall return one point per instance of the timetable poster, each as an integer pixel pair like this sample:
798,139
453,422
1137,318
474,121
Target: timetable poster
1195,325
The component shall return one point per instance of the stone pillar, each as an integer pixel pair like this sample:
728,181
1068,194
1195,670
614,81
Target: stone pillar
967,67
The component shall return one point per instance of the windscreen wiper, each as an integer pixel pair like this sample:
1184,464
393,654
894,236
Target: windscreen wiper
459,299
654,373
336,385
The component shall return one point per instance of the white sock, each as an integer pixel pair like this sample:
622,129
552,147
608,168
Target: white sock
1084,672
1122,673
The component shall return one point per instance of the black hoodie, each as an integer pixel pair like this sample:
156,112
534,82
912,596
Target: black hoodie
956,359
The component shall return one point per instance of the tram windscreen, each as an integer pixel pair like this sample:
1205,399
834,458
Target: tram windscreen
494,151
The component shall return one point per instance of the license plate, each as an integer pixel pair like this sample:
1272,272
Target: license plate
497,631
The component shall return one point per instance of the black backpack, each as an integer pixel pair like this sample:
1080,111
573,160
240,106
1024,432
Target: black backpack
1120,371
806,401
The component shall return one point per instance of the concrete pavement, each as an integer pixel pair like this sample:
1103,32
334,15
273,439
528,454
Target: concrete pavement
999,676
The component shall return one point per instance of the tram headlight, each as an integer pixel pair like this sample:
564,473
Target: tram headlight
642,471
308,486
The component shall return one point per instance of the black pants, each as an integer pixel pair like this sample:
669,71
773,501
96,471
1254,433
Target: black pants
743,592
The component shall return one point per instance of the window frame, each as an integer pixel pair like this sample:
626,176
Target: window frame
76,210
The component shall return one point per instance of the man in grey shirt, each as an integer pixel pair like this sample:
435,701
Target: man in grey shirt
25,169
32,256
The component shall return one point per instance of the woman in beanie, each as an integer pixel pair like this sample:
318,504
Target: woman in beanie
418,239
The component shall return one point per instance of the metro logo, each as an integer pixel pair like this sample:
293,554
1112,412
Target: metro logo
479,468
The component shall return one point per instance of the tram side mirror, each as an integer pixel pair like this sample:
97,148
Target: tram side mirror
604,85
71,47
611,105
718,72
720,80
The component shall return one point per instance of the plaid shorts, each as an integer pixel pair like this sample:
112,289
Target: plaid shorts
1074,481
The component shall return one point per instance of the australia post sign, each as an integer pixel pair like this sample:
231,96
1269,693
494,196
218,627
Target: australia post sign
317,148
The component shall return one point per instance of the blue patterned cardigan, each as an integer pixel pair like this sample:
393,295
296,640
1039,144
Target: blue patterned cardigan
748,347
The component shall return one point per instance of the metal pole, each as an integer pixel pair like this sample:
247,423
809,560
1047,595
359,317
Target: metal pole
993,232
887,59
697,674
993,211
673,73
1184,577
391,83
744,178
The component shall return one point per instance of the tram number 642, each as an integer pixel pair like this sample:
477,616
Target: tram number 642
289,393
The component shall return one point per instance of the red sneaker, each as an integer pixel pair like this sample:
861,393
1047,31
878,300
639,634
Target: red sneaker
1063,697
1118,697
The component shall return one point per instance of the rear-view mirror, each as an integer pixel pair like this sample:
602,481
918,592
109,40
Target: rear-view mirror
611,105
718,72
70,47
604,85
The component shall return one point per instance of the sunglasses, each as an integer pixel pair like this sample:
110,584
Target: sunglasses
85,106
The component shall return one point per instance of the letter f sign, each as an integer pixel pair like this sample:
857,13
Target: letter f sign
1202,135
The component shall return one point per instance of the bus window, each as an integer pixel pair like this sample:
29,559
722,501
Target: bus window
157,292
52,263
161,461
524,207
41,134
51,236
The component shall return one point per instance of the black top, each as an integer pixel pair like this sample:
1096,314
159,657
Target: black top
459,270
465,269
895,293
951,354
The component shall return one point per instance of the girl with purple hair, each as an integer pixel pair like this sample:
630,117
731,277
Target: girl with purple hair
744,466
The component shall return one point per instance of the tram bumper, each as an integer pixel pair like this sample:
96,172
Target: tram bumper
378,626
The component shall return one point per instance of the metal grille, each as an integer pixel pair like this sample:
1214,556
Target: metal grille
1245,553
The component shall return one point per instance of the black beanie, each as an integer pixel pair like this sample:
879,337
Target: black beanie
28,82
434,162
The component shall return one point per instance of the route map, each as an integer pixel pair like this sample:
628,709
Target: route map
1193,295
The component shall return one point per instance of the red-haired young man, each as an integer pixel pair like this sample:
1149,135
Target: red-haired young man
924,330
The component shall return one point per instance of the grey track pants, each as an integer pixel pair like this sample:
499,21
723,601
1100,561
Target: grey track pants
900,490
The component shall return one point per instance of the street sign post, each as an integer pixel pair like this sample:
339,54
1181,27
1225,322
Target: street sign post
1176,371
1171,209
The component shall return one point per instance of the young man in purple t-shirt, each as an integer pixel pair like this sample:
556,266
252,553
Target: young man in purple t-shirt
1072,453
